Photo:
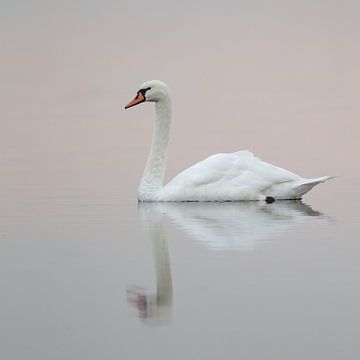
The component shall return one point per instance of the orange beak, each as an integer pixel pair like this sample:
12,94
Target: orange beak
138,99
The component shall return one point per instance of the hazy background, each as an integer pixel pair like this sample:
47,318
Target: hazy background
280,78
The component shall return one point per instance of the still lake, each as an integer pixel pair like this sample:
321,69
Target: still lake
89,274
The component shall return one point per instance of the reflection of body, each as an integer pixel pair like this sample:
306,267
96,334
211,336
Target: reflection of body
233,225
155,307
226,225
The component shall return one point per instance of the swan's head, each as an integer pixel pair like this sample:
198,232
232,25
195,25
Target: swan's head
153,90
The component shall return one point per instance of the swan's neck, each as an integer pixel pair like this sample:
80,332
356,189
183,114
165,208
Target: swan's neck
153,177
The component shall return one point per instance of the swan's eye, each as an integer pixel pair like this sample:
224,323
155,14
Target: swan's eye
143,91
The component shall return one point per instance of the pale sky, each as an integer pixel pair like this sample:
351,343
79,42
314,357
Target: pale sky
280,78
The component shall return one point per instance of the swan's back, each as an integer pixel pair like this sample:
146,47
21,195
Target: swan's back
230,177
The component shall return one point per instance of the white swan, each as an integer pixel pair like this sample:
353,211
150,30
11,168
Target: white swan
221,177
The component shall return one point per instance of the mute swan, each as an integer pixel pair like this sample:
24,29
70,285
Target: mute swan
221,177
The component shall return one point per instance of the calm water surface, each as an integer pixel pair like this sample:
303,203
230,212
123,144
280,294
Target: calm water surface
91,274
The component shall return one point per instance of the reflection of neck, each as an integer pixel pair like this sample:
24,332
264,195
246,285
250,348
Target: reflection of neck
162,265
154,172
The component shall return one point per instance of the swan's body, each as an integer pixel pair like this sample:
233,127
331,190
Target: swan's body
222,177
233,177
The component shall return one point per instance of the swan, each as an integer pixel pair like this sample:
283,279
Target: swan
238,176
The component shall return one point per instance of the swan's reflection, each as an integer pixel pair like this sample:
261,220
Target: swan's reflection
224,226
233,225
155,308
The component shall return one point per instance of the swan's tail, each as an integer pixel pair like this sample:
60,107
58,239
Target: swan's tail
304,186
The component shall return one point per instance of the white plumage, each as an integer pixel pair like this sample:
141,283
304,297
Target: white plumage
222,177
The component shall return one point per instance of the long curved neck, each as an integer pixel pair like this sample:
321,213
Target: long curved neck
153,176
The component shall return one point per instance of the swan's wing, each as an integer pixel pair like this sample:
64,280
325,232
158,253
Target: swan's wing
227,176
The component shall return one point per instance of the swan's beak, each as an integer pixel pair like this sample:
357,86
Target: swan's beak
138,99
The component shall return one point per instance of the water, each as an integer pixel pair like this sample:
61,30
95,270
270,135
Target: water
88,274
